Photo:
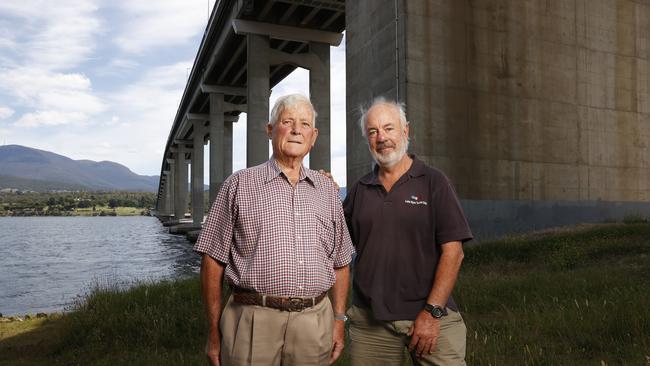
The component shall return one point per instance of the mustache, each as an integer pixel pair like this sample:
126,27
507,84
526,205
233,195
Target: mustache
386,144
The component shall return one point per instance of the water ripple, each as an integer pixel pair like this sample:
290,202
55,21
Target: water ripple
47,262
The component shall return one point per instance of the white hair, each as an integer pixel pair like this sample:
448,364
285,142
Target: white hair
401,109
288,101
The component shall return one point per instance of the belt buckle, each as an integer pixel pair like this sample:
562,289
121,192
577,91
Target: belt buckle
296,304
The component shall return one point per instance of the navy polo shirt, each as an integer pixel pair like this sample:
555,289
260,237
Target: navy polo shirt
397,236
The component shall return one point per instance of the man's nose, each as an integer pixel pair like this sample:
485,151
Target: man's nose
380,136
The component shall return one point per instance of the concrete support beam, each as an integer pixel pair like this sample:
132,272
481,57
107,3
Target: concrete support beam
221,89
180,185
258,68
249,27
217,158
227,118
304,60
197,173
319,92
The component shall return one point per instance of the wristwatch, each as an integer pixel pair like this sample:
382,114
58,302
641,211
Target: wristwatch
436,311
342,317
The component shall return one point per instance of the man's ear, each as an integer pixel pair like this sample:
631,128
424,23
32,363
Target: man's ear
269,130
313,139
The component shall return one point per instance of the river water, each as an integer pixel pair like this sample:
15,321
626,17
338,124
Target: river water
46,263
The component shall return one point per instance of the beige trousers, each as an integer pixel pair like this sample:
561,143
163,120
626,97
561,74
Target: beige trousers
260,336
379,343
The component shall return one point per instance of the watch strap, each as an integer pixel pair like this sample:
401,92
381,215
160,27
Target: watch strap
341,317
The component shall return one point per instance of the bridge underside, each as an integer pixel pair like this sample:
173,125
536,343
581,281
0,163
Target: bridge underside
248,47
539,112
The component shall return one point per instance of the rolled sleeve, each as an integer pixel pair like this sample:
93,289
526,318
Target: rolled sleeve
216,237
344,248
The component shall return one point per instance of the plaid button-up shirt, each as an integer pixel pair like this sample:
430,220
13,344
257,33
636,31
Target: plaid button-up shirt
275,238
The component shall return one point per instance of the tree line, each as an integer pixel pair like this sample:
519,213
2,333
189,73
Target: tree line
71,201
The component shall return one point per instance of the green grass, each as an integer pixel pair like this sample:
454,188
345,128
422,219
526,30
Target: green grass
576,298
566,298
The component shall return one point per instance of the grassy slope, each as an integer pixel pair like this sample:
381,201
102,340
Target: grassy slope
572,298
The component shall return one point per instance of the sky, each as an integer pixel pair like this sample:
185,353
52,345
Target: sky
102,79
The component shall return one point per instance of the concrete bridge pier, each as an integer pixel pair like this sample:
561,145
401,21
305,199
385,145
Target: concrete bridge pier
180,183
217,146
319,93
197,172
227,148
220,133
170,194
257,74
165,211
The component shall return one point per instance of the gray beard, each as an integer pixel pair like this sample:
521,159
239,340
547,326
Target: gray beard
393,158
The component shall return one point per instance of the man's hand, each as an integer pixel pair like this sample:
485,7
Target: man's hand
338,340
213,348
424,334
329,175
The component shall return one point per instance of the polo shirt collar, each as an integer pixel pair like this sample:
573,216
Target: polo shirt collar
416,169
273,170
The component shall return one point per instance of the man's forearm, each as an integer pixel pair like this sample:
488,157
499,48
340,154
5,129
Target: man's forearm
339,292
446,274
211,285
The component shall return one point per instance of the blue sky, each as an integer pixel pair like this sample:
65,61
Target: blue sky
102,79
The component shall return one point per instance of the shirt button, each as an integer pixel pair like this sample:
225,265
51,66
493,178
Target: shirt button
298,237
299,287
301,262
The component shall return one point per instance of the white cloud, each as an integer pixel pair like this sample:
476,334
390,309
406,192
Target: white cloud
6,112
50,118
122,63
161,23
58,37
7,39
51,95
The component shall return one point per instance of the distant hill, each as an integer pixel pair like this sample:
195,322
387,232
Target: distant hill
32,169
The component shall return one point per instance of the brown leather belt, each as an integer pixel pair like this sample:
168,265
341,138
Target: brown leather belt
247,297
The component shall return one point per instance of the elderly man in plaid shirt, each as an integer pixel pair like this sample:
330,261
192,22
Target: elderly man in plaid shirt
277,233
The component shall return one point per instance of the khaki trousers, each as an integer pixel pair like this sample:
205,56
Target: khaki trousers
378,343
260,336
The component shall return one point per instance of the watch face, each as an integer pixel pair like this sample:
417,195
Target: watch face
435,310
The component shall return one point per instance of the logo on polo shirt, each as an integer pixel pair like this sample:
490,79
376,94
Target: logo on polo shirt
415,200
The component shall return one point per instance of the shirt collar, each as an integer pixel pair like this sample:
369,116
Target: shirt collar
416,169
273,171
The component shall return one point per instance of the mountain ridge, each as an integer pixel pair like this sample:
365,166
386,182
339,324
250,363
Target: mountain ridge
39,166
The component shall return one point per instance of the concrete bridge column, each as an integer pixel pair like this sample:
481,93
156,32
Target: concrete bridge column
197,173
170,184
217,146
169,195
180,184
258,69
227,149
319,93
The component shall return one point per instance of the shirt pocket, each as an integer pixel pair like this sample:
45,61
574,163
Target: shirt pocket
326,234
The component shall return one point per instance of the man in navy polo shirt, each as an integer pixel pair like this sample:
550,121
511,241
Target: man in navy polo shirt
408,227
